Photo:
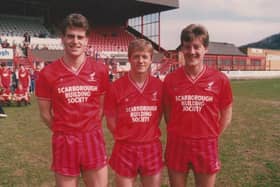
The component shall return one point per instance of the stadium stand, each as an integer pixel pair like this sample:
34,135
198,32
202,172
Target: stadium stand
114,25
111,38
18,25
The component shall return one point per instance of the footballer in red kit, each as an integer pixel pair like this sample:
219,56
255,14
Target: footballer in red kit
20,95
24,77
74,91
133,108
6,77
138,109
5,84
70,94
197,109
196,103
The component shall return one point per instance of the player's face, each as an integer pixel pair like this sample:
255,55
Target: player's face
22,68
74,41
140,61
193,52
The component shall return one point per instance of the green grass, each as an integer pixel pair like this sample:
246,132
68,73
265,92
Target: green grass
249,149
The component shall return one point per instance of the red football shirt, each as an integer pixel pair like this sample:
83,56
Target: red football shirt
6,78
24,78
137,110
20,92
75,96
195,104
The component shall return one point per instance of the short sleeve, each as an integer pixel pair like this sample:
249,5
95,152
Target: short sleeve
166,92
43,87
104,82
226,94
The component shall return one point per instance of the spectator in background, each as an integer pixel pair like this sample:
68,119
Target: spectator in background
32,81
90,51
198,108
70,94
15,77
36,75
27,39
5,44
26,43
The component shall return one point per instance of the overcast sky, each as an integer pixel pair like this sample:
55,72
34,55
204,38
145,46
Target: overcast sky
232,21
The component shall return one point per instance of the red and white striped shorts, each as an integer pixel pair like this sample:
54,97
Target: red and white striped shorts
73,153
129,159
202,154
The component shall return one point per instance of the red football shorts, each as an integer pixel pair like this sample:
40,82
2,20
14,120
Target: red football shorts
129,159
202,154
73,153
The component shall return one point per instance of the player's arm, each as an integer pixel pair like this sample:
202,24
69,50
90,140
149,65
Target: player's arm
45,108
110,108
225,118
166,108
105,85
166,102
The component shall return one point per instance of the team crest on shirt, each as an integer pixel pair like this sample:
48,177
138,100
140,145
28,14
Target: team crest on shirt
210,84
92,77
154,96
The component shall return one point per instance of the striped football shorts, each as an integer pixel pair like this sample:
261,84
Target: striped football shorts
201,155
129,159
76,152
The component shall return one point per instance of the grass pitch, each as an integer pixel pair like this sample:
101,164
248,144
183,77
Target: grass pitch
249,149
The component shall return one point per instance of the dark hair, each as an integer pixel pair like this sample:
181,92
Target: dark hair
194,31
75,20
140,45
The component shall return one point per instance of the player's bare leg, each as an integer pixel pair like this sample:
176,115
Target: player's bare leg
96,178
151,181
205,180
177,179
65,181
122,181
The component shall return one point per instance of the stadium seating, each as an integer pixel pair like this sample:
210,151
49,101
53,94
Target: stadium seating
18,25
36,43
13,28
113,38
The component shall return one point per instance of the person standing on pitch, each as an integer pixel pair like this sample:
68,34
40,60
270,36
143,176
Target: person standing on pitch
133,108
2,113
197,108
70,94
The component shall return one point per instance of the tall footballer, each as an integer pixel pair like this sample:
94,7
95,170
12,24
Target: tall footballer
70,94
